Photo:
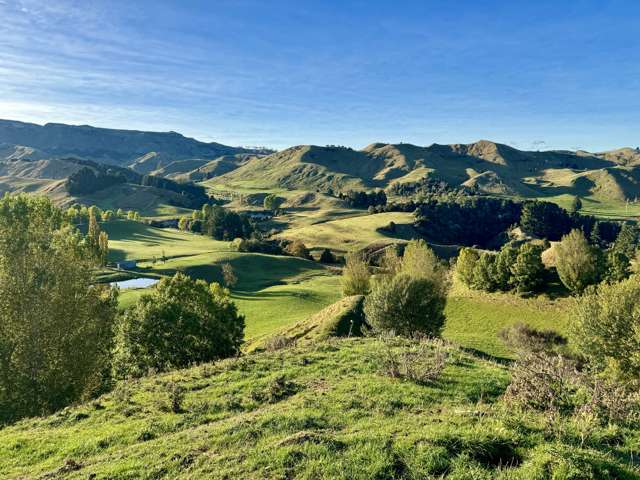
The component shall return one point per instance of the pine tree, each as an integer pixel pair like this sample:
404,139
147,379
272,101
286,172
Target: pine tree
528,269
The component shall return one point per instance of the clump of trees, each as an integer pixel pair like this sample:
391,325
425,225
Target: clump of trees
463,221
56,326
512,268
181,322
360,199
298,249
218,222
410,296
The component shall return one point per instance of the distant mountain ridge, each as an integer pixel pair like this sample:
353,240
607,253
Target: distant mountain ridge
117,147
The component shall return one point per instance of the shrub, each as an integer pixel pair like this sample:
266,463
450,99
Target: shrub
421,361
327,257
407,305
355,276
543,381
298,249
183,321
522,338
606,327
578,263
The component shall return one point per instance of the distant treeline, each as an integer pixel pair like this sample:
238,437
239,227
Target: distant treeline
93,177
359,199
428,187
480,221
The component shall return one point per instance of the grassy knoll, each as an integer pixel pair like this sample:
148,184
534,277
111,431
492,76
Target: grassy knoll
320,411
354,232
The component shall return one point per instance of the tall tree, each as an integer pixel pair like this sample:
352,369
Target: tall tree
579,264
55,324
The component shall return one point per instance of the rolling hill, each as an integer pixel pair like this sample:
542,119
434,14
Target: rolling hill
487,166
117,147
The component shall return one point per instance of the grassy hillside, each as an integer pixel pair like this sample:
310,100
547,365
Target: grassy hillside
354,232
325,410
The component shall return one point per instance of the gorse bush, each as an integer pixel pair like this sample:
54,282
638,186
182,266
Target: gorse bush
181,322
56,327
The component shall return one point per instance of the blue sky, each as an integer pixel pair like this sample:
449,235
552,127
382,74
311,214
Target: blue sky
533,74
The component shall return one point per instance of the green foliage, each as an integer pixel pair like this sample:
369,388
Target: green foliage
627,240
356,277
272,202
578,263
412,299
484,273
528,270
505,258
55,326
182,321
618,266
606,326
465,266
545,220
406,305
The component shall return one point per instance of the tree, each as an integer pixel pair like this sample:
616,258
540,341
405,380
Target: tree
578,263
355,275
606,327
528,270
181,322
327,257
618,266
545,220
298,249
627,240
596,236
272,202
465,265
92,240
576,204
183,224
56,325
484,273
228,275
103,248
406,305
505,259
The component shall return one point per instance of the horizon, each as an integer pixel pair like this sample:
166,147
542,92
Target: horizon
534,77
353,147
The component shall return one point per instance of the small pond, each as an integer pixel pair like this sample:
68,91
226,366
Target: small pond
135,283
